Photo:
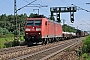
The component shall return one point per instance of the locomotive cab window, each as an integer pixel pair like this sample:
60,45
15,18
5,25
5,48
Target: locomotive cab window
30,22
34,22
37,22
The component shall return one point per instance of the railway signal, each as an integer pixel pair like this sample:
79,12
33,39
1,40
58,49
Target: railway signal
72,17
58,17
63,9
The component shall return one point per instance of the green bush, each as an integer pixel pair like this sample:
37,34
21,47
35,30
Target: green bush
86,45
22,38
12,43
4,31
6,35
15,43
16,32
1,45
8,44
86,56
84,49
4,41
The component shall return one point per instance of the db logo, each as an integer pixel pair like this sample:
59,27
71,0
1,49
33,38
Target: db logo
33,29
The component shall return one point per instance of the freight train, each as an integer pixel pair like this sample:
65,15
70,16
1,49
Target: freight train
80,33
41,29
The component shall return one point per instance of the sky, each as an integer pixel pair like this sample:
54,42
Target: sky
82,18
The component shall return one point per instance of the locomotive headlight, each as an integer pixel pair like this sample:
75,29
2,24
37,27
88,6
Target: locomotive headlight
27,29
39,33
27,33
38,29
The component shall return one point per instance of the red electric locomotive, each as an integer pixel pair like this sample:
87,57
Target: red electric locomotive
42,30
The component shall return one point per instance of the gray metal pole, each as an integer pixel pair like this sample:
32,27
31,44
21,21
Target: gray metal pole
36,9
15,19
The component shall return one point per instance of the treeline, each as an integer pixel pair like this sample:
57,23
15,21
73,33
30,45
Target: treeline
7,23
67,28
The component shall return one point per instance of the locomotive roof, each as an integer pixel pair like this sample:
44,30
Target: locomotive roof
40,17
45,18
34,18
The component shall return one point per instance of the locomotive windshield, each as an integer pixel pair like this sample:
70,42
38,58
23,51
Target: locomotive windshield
34,22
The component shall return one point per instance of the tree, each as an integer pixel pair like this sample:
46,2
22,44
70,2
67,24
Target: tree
52,18
3,31
1,24
31,15
10,18
67,28
4,19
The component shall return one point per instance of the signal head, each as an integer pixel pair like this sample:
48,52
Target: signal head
72,20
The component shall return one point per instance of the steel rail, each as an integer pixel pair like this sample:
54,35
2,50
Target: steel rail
38,53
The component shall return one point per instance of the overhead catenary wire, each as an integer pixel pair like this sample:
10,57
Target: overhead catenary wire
64,2
30,4
79,8
26,5
86,22
43,9
37,6
13,4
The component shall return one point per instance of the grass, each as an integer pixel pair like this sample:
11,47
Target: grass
5,40
86,49
8,41
67,49
85,56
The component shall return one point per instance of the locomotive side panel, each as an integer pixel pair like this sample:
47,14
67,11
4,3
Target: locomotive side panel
44,31
51,29
58,30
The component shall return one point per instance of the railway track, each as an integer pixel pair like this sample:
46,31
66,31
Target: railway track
23,52
48,53
8,53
